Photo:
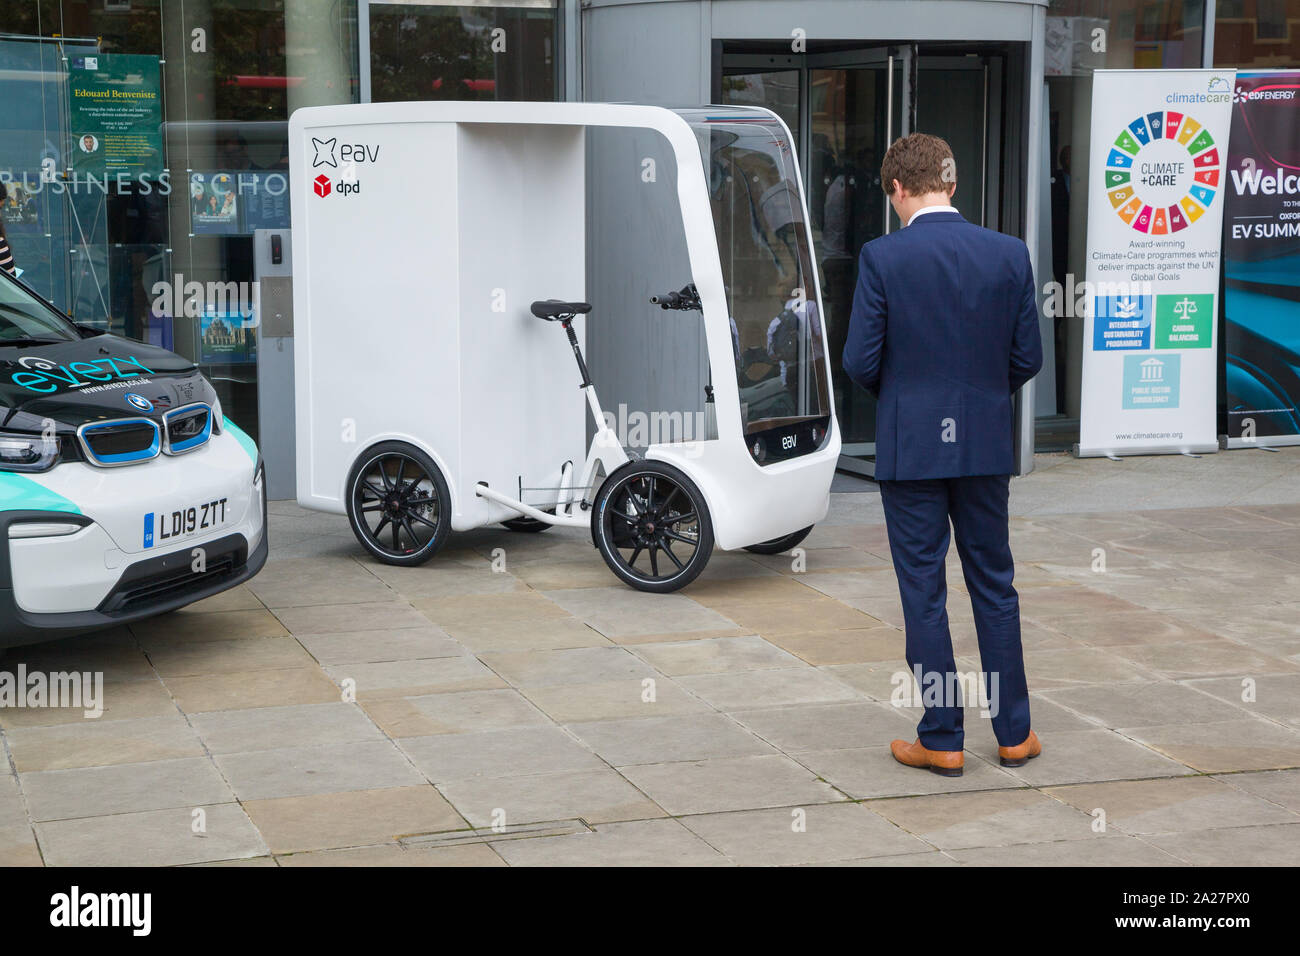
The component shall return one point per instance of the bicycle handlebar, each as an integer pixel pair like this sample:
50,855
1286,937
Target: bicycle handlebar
688,298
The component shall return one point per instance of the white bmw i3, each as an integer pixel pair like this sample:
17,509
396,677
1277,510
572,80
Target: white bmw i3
124,491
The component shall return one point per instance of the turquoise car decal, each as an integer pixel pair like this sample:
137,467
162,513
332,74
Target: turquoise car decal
20,493
245,442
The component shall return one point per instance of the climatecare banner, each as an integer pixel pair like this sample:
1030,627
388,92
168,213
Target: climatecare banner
1155,217
1261,251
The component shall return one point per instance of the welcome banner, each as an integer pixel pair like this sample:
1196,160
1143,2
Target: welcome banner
1261,251
1155,216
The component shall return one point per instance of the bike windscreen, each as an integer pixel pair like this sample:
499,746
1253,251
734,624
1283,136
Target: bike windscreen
765,248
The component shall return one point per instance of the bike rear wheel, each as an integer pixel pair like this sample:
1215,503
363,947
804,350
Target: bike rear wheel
652,527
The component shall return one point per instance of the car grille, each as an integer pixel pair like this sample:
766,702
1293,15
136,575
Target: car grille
158,580
187,428
120,442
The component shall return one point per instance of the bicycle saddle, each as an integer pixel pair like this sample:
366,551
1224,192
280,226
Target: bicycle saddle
552,309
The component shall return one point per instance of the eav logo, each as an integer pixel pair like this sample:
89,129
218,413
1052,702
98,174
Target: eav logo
324,152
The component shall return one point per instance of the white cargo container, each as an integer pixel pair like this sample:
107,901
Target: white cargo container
434,390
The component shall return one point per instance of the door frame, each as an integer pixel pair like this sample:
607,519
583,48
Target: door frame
899,63
902,62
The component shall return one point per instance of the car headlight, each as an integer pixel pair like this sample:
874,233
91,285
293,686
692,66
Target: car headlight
218,416
28,452
44,529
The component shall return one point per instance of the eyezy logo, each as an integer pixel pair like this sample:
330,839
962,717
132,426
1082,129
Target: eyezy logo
45,376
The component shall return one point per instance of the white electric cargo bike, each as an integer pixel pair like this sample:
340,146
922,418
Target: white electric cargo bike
439,285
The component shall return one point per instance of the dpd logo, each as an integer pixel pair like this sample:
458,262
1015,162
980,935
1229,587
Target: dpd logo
344,187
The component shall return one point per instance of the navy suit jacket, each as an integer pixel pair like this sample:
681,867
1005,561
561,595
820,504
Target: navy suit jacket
944,330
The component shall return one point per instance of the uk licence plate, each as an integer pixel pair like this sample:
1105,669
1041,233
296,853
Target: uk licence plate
162,527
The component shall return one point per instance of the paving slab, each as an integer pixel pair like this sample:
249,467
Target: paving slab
730,783
647,740
616,699
93,743
638,843
954,821
1277,845
718,655
330,619
1172,805
1281,787
768,688
816,834
458,712
576,665
832,726
594,796
1110,851
387,855
152,838
412,678
123,788
332,768
1249,744
352,818
619,612
1143,705
400,644
498,753
257,688
276,728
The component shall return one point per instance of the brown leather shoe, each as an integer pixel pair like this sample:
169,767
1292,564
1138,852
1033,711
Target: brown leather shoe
1020,754
947,763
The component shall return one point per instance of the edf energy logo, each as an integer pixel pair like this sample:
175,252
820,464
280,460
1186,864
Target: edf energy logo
1162,172
345,158
44,376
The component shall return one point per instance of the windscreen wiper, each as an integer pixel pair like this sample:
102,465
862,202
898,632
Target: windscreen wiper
31,340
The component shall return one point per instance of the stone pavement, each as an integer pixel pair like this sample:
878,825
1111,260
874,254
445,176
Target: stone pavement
744,720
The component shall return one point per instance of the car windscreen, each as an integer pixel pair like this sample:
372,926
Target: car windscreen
765,248
24,316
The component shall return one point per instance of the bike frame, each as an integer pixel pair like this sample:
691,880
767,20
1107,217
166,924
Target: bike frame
605,454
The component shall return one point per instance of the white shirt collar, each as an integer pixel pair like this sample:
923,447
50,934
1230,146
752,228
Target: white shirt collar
924,209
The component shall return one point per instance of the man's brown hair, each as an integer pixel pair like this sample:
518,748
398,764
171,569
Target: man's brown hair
921,163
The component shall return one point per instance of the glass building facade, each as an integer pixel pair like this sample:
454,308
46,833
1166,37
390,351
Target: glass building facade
144,142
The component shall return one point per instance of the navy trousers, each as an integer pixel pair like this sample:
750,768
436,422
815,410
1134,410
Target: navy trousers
916,516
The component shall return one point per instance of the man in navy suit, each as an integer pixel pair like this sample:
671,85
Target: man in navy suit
944,330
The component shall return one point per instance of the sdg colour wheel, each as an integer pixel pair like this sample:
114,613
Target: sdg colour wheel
1162,172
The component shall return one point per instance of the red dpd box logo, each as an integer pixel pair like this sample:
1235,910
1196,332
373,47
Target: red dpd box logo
322,185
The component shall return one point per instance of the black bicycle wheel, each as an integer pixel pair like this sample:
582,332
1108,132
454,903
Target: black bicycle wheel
652,526
398,504
780,545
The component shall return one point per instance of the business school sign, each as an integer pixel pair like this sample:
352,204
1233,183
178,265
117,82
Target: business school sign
1155,214
1261,252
